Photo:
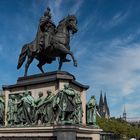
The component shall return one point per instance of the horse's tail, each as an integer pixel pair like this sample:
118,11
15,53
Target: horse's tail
22,56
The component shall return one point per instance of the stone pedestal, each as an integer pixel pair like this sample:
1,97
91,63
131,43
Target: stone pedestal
50,133
53,81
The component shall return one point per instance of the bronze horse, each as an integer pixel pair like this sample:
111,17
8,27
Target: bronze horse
59,47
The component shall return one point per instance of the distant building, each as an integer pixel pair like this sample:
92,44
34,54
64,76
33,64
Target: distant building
134,121
124,114
103,108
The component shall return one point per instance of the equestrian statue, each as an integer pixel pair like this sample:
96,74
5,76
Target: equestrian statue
51,42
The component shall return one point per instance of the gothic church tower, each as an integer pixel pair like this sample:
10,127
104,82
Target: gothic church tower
103,108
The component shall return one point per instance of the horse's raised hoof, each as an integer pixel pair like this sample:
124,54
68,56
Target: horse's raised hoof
75,63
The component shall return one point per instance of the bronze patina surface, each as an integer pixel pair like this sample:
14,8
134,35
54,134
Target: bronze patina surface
50,42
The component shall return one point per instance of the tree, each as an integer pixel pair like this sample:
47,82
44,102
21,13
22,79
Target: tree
119,127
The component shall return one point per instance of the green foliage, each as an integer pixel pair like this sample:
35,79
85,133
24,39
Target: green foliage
119,127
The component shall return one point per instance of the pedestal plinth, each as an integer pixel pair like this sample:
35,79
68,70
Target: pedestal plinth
50,133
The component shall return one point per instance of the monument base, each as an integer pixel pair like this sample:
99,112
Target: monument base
53,81
50,133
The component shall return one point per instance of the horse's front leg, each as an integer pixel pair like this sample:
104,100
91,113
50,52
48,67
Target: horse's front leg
64,51
29,61
73,58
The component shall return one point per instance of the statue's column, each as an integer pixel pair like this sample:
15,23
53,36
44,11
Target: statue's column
6,93
83,99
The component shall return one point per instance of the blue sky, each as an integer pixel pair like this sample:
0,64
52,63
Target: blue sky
106,46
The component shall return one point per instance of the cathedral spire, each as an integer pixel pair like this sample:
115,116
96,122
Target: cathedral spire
106,106
101,103
105,100
103,108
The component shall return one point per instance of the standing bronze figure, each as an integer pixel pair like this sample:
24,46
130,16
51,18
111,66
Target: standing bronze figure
50,42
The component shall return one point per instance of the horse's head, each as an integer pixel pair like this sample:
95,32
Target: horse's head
71,23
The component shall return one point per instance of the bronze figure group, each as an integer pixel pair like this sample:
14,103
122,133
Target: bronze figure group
64,107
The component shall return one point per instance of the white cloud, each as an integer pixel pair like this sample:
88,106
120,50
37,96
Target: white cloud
132,109
115,68
58,3
88,22
76,7
118,18
114,21
126,40
57,11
